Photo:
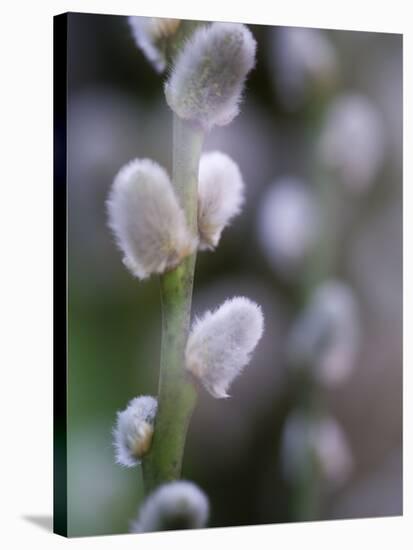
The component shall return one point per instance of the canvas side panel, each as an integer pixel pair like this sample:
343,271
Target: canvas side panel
60,274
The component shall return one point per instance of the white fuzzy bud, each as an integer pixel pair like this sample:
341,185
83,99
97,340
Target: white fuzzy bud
221,343
132,434
147,220
175,505
148,33
327,334
220,196
305,59
208,76
288,226
321,441
352,141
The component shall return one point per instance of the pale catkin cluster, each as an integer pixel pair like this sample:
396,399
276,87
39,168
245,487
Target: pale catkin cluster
333,451
326,337
148,32
208,76
147,220
175,505
352,142
317,441
288,224
220,196
221,342
132,434
304,59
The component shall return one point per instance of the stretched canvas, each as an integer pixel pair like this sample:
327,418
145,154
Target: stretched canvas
228,274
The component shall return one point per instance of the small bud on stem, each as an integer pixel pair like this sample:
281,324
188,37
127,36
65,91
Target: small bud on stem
149,32
221,342
133,432
174,505
207,79
220,196
147,219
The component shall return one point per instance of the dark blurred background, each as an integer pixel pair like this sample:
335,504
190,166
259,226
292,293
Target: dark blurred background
117,111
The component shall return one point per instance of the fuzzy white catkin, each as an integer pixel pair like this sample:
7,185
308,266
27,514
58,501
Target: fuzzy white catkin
288,225
221,342
321,439
147,32
147,220
175,505
220,196
327,334
208,76
132,434
352,143
304,58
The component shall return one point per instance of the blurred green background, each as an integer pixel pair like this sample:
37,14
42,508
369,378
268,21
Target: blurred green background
117,111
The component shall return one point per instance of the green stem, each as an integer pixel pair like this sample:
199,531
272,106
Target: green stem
306,493
322,262
177,394
323,259
306,490
306,497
